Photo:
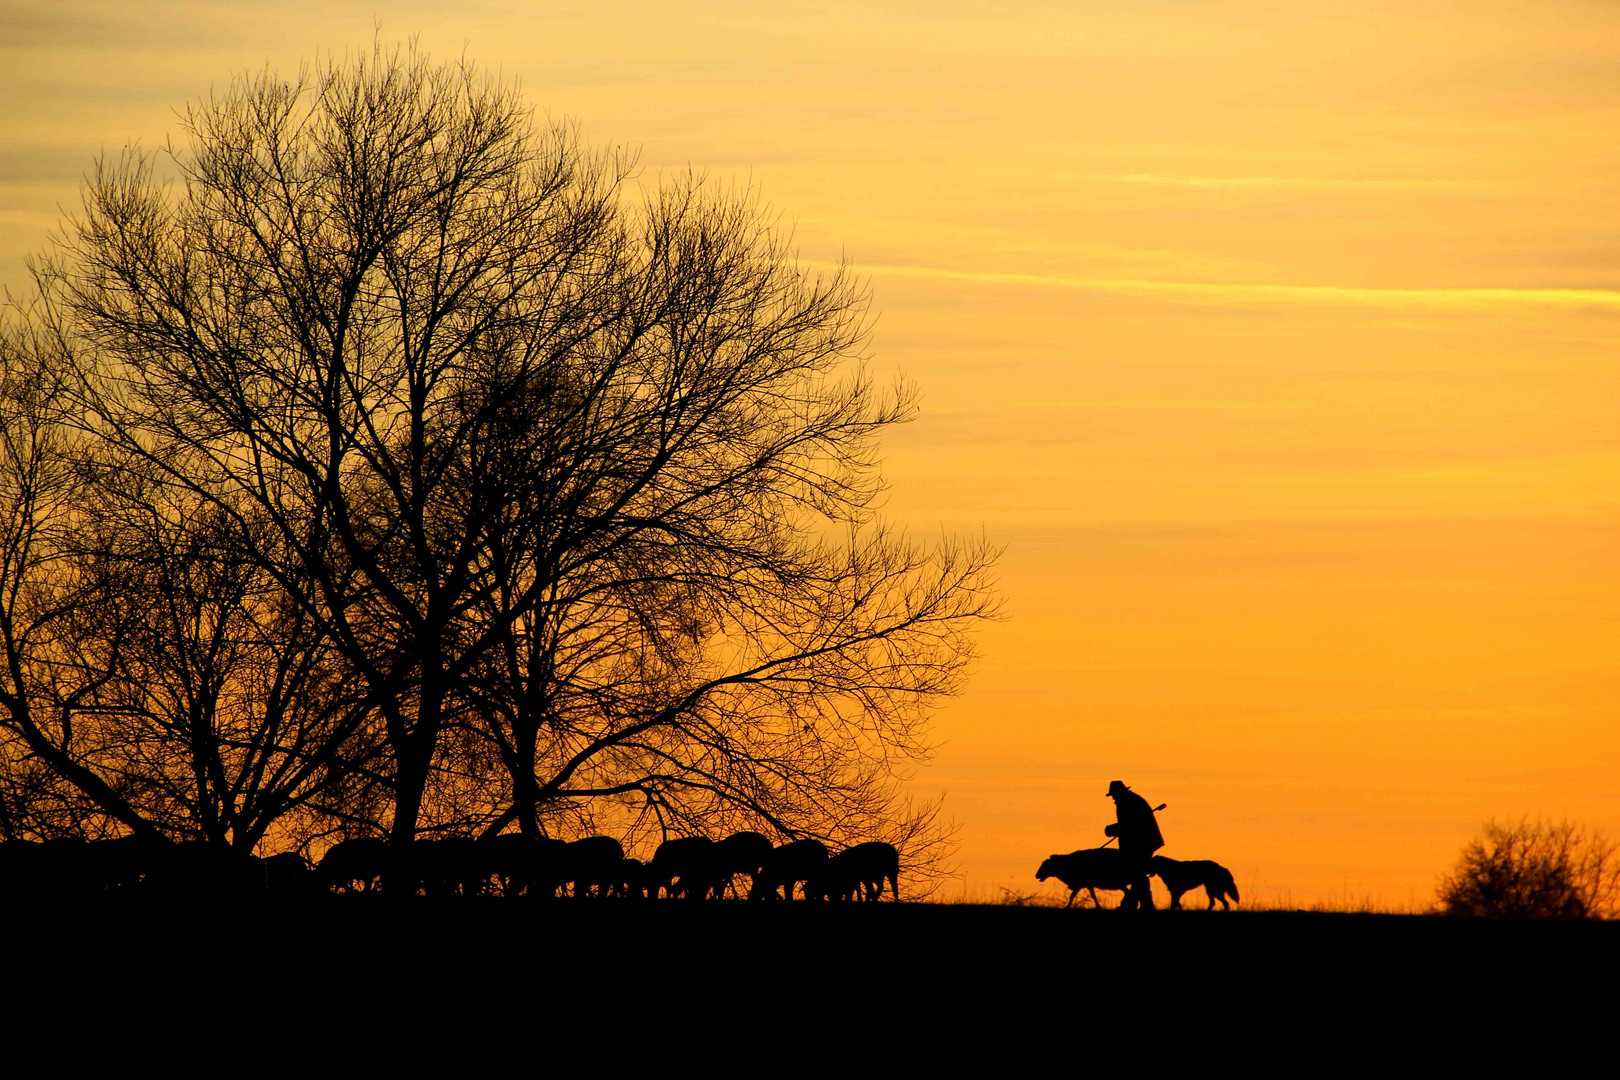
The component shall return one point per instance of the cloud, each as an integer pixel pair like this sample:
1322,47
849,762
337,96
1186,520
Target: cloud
1223,293
1303,183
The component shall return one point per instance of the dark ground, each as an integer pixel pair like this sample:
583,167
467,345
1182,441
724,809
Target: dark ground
948,979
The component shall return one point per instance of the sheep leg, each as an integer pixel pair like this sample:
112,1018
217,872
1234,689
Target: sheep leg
1094,901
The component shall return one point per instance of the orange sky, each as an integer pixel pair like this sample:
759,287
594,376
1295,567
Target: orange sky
1277,341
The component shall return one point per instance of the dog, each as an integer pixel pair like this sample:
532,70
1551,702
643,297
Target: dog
1181,877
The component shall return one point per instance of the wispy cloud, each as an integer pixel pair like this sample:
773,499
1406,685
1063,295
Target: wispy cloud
1223,293
1303,183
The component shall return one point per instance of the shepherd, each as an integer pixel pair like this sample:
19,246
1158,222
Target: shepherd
1137,831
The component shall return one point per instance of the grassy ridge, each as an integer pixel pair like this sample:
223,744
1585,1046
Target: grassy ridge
923,982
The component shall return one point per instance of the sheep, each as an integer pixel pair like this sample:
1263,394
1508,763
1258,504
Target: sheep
1091,869
509,858
857,873
356,864
200,868
21,862
631,881
521,865
447,865
286,874
836,879
593,862
59,866
62,866
549,870
876,861
786,866
741,853
684,866
461,862
70,866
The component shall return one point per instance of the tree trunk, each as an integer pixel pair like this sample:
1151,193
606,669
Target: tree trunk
525,788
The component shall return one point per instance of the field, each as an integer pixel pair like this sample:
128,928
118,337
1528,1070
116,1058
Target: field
971,970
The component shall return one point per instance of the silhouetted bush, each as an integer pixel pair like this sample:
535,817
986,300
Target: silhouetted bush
1535,870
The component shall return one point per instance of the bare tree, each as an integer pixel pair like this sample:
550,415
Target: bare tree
227,708
580,488
154,683
682,633
1535,870
54,661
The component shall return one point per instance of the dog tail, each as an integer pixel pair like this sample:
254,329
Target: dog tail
1231,886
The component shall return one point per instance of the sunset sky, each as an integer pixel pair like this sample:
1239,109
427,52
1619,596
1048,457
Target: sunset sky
1277,341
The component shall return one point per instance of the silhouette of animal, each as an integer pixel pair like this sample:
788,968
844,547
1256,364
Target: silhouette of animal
462,864
831,883
195,868
70,866
631,881
877,860
122,863
287,874
446,866
786,866
594,862
549,870
511,859
834,880
1180,877
353,865
857,873
741,853
45,869
685,866
62,866
1090,869
20,862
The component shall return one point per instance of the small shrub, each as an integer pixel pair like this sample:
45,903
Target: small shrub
1535,870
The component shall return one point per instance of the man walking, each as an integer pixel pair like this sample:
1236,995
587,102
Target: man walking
1138,833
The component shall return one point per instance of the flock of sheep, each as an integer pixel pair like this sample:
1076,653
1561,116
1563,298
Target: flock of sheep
694,867
511,864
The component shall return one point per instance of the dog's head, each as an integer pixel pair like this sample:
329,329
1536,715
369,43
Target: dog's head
1161,864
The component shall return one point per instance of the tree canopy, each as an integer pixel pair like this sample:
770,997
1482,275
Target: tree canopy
379,459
